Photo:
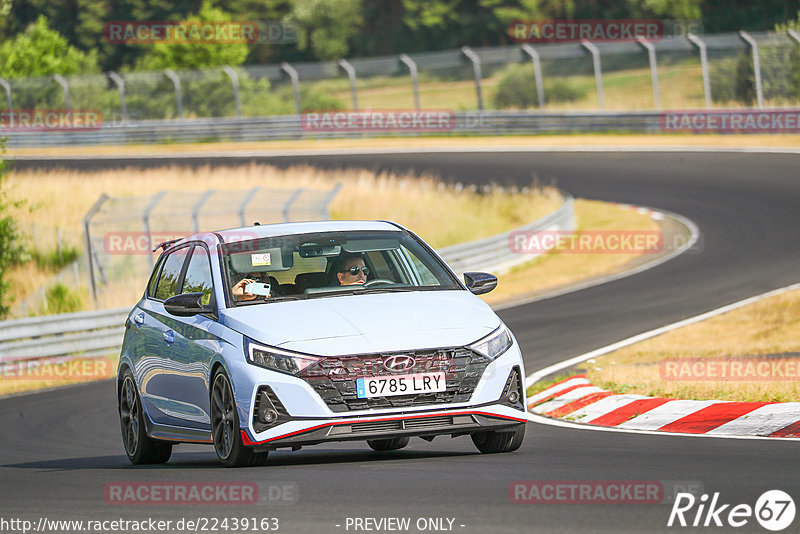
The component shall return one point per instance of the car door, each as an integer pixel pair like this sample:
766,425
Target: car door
190,346
157,328
144,342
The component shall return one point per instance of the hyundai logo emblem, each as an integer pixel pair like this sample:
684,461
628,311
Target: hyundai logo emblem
400,362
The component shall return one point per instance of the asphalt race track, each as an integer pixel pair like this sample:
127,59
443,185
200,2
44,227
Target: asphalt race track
59,449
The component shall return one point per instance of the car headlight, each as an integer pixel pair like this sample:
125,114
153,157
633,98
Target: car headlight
495,344
277,359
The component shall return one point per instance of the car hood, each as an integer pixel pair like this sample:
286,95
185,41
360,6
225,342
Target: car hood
362,324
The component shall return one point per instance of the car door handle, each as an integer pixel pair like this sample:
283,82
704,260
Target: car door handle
169,337
139,319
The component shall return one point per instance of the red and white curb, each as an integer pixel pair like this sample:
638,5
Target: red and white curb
577,400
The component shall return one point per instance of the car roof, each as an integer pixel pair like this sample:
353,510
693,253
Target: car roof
245,233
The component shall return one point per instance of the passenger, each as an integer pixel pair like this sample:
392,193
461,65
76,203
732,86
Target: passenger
350,270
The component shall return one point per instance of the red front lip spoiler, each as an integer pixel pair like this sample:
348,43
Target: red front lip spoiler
247,441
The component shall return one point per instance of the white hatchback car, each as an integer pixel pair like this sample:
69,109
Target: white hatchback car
296,334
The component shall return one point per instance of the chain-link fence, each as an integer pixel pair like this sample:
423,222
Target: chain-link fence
120,233
682,72
108,262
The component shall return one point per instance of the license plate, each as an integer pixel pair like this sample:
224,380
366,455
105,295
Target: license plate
387,386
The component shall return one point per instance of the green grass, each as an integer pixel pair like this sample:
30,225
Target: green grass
680,82
55,260
542,385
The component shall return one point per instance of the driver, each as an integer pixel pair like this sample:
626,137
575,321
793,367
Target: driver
350,270
238,289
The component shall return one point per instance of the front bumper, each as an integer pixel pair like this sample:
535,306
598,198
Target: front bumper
453,422
305,418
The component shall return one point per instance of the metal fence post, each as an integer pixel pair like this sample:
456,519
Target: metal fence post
178,96
701,46
117,79
351,73
243,206
537,71
412,68
288,204
651,55
198,206
146,217
756,66
292,72
476,68
235,82
87,236
598,72
328,199
7,87
64,85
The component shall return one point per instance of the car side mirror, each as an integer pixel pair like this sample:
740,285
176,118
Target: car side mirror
186,305
480,283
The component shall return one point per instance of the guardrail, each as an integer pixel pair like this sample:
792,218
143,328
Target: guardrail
91,333
98,333
290,127
494,254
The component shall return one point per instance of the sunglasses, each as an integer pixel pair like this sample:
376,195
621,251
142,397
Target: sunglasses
355,268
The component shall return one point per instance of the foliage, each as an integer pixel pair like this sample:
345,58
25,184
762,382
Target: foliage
326,26
733,79
517,89
61,299
55,259
195,55
331,29
11,245
42,51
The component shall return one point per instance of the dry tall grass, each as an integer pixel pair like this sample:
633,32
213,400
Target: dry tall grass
554,270
771,326
442,215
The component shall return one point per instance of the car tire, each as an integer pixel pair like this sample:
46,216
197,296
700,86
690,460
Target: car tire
225,430
139,447
389,444
489,442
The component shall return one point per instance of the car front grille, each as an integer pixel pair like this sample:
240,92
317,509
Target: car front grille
334,378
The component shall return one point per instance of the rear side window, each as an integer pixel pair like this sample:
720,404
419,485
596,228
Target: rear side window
168,278
198,275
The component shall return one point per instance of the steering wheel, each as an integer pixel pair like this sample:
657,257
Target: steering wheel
378,281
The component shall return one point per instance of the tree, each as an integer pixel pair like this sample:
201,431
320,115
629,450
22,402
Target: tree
326,26
11,248
42,51
195,55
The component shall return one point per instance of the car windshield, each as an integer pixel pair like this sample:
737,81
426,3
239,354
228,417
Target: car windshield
317,265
